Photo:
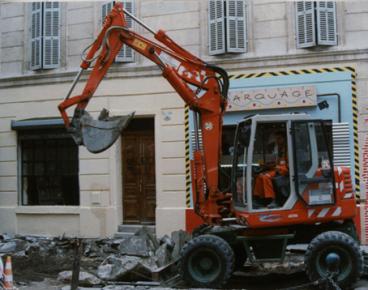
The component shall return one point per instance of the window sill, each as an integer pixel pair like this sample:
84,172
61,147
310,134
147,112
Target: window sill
57,210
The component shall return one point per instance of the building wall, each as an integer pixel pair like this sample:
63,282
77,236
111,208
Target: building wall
139,87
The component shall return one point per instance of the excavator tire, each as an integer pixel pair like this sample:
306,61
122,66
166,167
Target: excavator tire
207,261
365,271
350,266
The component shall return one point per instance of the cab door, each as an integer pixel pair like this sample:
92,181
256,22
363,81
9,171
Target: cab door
313,167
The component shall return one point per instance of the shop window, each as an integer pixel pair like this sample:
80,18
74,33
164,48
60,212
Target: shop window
126,54
315,23
45,35
227,26
48,167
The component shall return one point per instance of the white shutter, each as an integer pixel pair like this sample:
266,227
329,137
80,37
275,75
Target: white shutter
326,23
126,54
51,35
305,24
105,9
36,35
236,32
216,27
341,144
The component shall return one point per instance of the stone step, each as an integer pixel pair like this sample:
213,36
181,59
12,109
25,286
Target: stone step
133,228
121,235
126,231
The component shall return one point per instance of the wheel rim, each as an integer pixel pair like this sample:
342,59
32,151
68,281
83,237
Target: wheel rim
345,263
204,265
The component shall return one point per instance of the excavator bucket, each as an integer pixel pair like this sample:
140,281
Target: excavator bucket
97,135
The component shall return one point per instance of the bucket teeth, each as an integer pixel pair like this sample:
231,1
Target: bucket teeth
97,135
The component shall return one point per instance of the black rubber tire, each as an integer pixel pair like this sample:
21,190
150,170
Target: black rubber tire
365,270
199,251
334,241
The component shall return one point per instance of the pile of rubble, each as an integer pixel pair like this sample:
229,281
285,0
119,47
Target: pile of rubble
141,257
103,262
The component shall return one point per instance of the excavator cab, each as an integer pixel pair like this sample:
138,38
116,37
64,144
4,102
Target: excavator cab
282,159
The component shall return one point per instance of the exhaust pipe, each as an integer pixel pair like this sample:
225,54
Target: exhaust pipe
97,135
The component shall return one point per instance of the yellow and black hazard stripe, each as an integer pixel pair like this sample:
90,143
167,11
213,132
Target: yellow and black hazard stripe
287,73
355,130
187,158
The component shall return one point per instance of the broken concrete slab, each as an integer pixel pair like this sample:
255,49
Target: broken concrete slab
179,238
163,255
85,279
8,247
142,244
115,268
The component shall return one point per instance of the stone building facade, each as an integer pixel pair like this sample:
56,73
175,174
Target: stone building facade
271,44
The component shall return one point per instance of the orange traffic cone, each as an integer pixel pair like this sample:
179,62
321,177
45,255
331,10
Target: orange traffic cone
8,274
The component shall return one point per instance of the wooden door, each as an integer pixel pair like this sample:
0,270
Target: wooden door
139,186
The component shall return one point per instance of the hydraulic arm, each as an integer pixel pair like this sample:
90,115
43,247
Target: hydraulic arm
203,88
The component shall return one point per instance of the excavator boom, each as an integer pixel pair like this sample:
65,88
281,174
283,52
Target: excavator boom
203,88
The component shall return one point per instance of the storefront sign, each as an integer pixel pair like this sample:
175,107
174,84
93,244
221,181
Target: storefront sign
273,98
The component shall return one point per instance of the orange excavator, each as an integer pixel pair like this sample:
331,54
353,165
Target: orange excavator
313,201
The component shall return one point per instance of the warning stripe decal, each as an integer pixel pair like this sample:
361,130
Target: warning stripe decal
187,157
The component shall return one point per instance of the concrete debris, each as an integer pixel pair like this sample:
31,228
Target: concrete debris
143,244
163,255
168,241
116,268
6,237
8,247
80,288
141,257
179,238
85,279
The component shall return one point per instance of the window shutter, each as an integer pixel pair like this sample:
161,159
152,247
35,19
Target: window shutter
216,33
51,35
326,23
36,35
236,32
126,54
305,23
105,9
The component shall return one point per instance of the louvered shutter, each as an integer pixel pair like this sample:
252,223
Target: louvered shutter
216,33
326,23
305,24
236,32
51,35
105,9
126,54
36,35
341,144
